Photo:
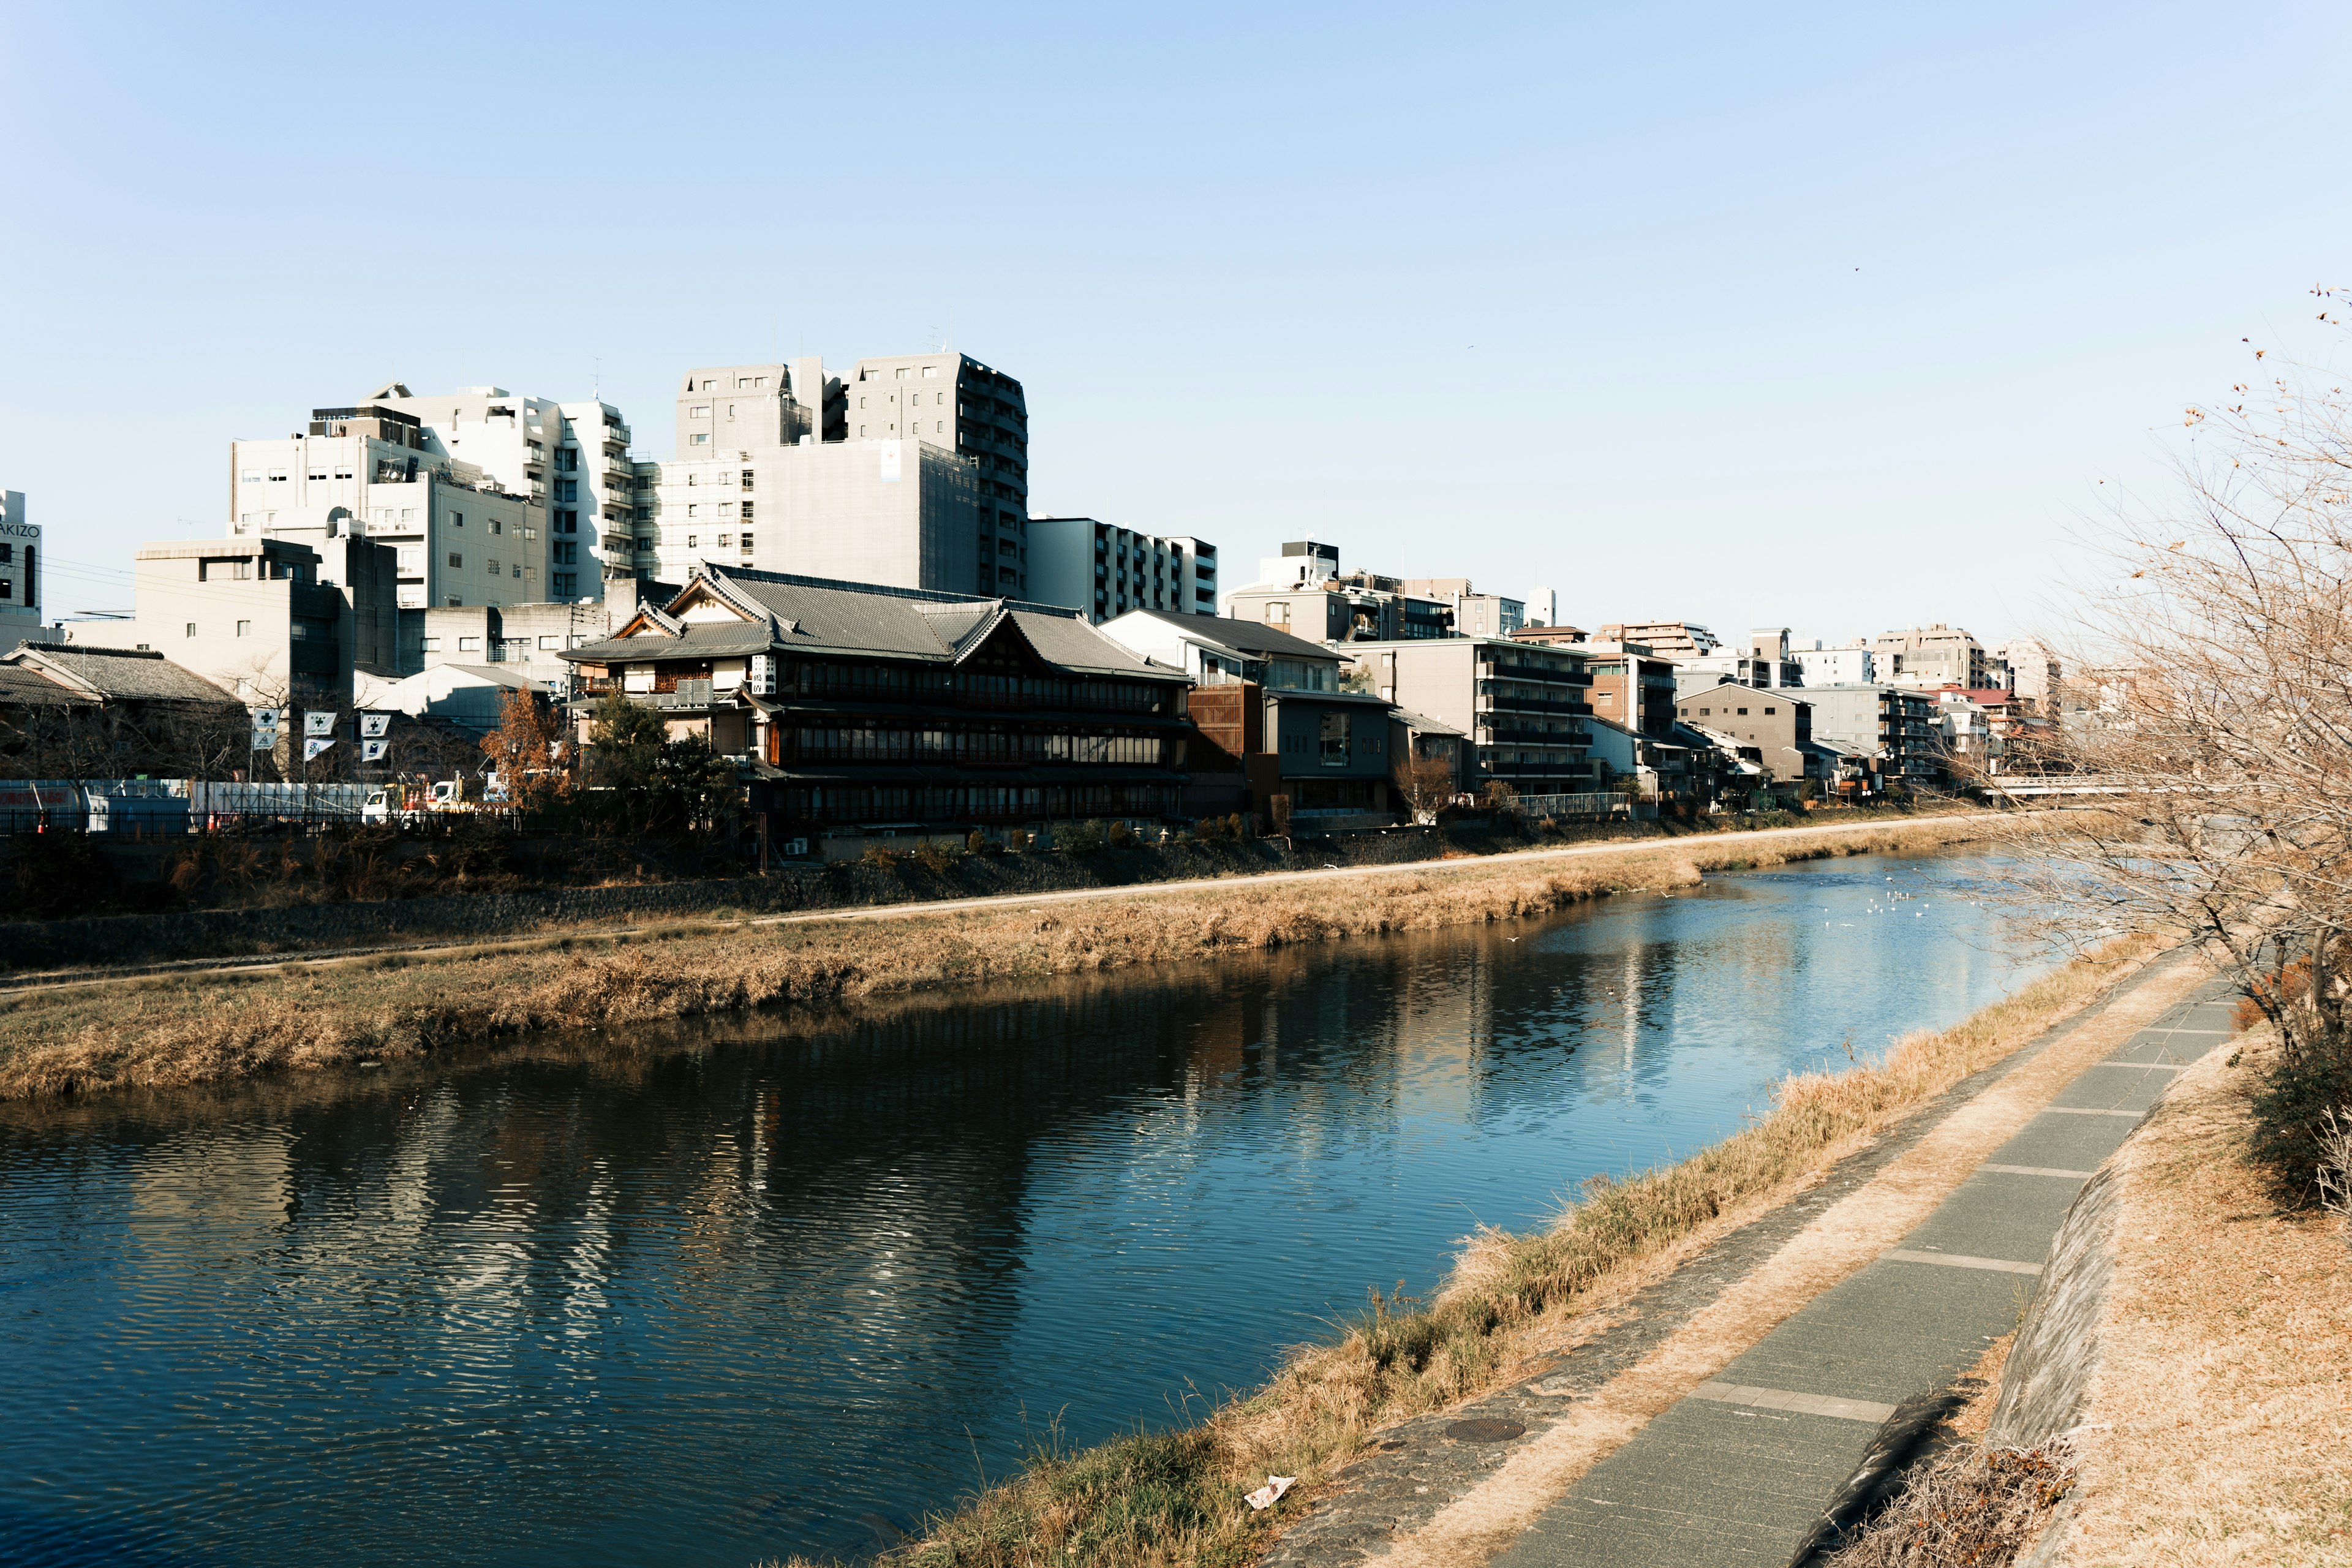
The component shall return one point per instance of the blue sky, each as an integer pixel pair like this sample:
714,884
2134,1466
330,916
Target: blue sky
1826,318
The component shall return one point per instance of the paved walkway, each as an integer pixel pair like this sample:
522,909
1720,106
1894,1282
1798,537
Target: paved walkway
1736,1472
1711,1422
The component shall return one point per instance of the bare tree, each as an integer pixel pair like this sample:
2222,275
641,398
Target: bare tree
1425,784
2213,693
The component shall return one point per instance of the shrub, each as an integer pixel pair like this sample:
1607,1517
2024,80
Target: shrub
1122,836
2291,1109
939,860
1082,837
975,841
880,856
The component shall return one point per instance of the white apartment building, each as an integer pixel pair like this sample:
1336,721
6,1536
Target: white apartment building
2034,671
1849,663
570,458
458,534
20,571
1931,655
1106,571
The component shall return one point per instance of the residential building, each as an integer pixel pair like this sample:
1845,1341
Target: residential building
1475,615
1551,634
1677,640
899,513
1849,663
20,571
855,709
1542,608
1657,774
258,617
1216,650
524,640
2034,672
572,458
459,535
1770,726
1107,571
952,401
1767,663
1301,591
1632,687
1935,655
747,409
68,712
1521,706
1894,725
471,696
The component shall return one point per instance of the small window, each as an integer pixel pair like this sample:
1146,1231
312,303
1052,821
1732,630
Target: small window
689,542
278,476
192,628
861,429
455,559
709,386
1743,712
702,437
551,642
432,645
930,371
245,628
469,644
694,510
1772,710
251,475
456,519
725,540
700,411
902,373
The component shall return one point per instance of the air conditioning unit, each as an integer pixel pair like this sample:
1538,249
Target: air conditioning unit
762,680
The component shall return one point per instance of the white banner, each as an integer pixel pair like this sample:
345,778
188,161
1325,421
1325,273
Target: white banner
265,740
374,751
889,462
265,717
318,723
373,725
314,745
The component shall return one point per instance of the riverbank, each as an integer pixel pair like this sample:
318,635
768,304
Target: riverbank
174,1030
1511,1302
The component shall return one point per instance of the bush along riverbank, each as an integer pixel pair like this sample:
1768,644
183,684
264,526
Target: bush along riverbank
165,1031
1158,1499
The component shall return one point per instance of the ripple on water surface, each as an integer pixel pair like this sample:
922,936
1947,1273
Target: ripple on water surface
781,1293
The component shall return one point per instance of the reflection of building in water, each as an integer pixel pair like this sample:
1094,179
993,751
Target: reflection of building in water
229,1181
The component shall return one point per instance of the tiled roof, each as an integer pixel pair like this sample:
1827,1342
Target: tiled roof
121,673
1248,637
811,615
23,687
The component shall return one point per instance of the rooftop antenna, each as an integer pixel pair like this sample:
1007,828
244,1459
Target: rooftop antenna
597,381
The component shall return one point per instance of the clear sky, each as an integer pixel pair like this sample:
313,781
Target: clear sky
1831,317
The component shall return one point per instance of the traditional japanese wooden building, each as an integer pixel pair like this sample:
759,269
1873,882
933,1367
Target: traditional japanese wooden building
855,708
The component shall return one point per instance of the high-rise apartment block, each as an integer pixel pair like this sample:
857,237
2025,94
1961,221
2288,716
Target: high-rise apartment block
1106,571
911,472
20,571
1928,655
570,458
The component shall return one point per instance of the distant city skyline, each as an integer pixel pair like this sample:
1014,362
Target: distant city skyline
1836,321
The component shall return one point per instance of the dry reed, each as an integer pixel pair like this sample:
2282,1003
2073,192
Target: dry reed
173,1031
1156,1500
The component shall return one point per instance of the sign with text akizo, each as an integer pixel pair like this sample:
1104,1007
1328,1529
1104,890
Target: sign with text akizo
316,723
373,725
314,745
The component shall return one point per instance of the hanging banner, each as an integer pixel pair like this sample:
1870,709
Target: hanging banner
265,717
374,751
318,723
314,745
373,725
889,462
265,740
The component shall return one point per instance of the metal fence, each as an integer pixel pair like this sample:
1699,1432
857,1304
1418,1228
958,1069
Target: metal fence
1601,803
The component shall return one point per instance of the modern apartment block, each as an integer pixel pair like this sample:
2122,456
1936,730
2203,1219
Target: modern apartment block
1896,725
1935,655
1302,591
911,472
570,458
1107,571
1768,726
276,622
460,534
1677,640
1766,662
1850,664
2034,672
1632,687
1476,615
20,571
1521,705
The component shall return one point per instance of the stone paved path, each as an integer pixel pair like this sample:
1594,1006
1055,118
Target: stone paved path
1736,1470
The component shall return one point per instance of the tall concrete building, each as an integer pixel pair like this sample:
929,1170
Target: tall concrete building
20,571
1935,655
1476,615
460,536
2034,671
911,472
572,459
1850,664
1106,571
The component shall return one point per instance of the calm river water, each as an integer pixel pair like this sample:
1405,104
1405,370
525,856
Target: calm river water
784,1288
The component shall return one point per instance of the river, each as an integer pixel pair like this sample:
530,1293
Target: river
712,1295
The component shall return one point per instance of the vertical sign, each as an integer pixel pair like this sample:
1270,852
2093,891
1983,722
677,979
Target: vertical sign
889,462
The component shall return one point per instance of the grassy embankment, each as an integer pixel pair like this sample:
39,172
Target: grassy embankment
1174,1497
185,1029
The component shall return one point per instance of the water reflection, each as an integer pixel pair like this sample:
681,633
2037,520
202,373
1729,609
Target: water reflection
709,1296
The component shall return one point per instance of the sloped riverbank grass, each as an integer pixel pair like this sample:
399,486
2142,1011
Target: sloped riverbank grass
1158,1499
170,1031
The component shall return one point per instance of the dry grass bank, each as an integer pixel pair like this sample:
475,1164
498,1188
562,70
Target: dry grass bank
178,1030
2221,1416
1158,1499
